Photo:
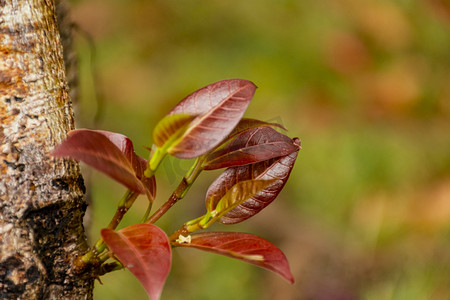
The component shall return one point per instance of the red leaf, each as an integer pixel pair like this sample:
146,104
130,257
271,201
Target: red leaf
139,164
211,96
150,186
245,247
277,169
247,123
98,151
236,195
145,250
250,146
218,108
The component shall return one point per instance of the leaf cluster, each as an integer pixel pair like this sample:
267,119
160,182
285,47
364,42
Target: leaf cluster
207,125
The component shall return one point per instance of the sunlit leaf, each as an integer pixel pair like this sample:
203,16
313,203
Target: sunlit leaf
145,250
250,146
211,96
277,169
237,194
99,152
170,129
245,247
217,108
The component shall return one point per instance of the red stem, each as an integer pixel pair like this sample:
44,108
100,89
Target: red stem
121,210
176,195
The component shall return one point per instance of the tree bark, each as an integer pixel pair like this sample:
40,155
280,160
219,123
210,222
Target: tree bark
41,198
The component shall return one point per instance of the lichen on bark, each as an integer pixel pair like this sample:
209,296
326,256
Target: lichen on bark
41,198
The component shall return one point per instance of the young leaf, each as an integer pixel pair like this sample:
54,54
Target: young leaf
234,196
98,151
239,193
247,123
245,247
125,145
250,146
277,169
170,129
217,109
149,183
138,163
210,97
145,250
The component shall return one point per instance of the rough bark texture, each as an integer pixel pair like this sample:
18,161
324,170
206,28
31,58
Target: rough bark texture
65,27
41,199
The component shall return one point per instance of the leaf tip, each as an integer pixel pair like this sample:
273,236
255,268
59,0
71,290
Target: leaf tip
297,142
290,278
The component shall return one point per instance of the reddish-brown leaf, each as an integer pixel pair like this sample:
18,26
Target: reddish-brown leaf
145,250
245,247
247,123
236,195
150,186
98,151
218,108
210,96
250,146
138,163
277,169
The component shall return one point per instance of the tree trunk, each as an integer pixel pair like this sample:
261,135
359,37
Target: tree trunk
41,198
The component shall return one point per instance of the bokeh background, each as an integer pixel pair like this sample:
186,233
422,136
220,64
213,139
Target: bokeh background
364,84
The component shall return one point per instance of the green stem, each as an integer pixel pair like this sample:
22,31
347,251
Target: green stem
180,191
124,205
202,222
192,226
154,161
199,223
147,213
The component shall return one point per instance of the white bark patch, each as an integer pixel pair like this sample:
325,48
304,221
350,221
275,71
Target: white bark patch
5,228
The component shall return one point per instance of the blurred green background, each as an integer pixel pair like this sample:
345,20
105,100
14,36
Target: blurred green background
364,84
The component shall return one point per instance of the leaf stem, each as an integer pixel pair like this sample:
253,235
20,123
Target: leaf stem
110,267
154,161
179,192
199,223
183,230
147,212
124,205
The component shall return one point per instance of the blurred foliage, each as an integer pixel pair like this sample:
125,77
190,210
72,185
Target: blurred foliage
364,84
